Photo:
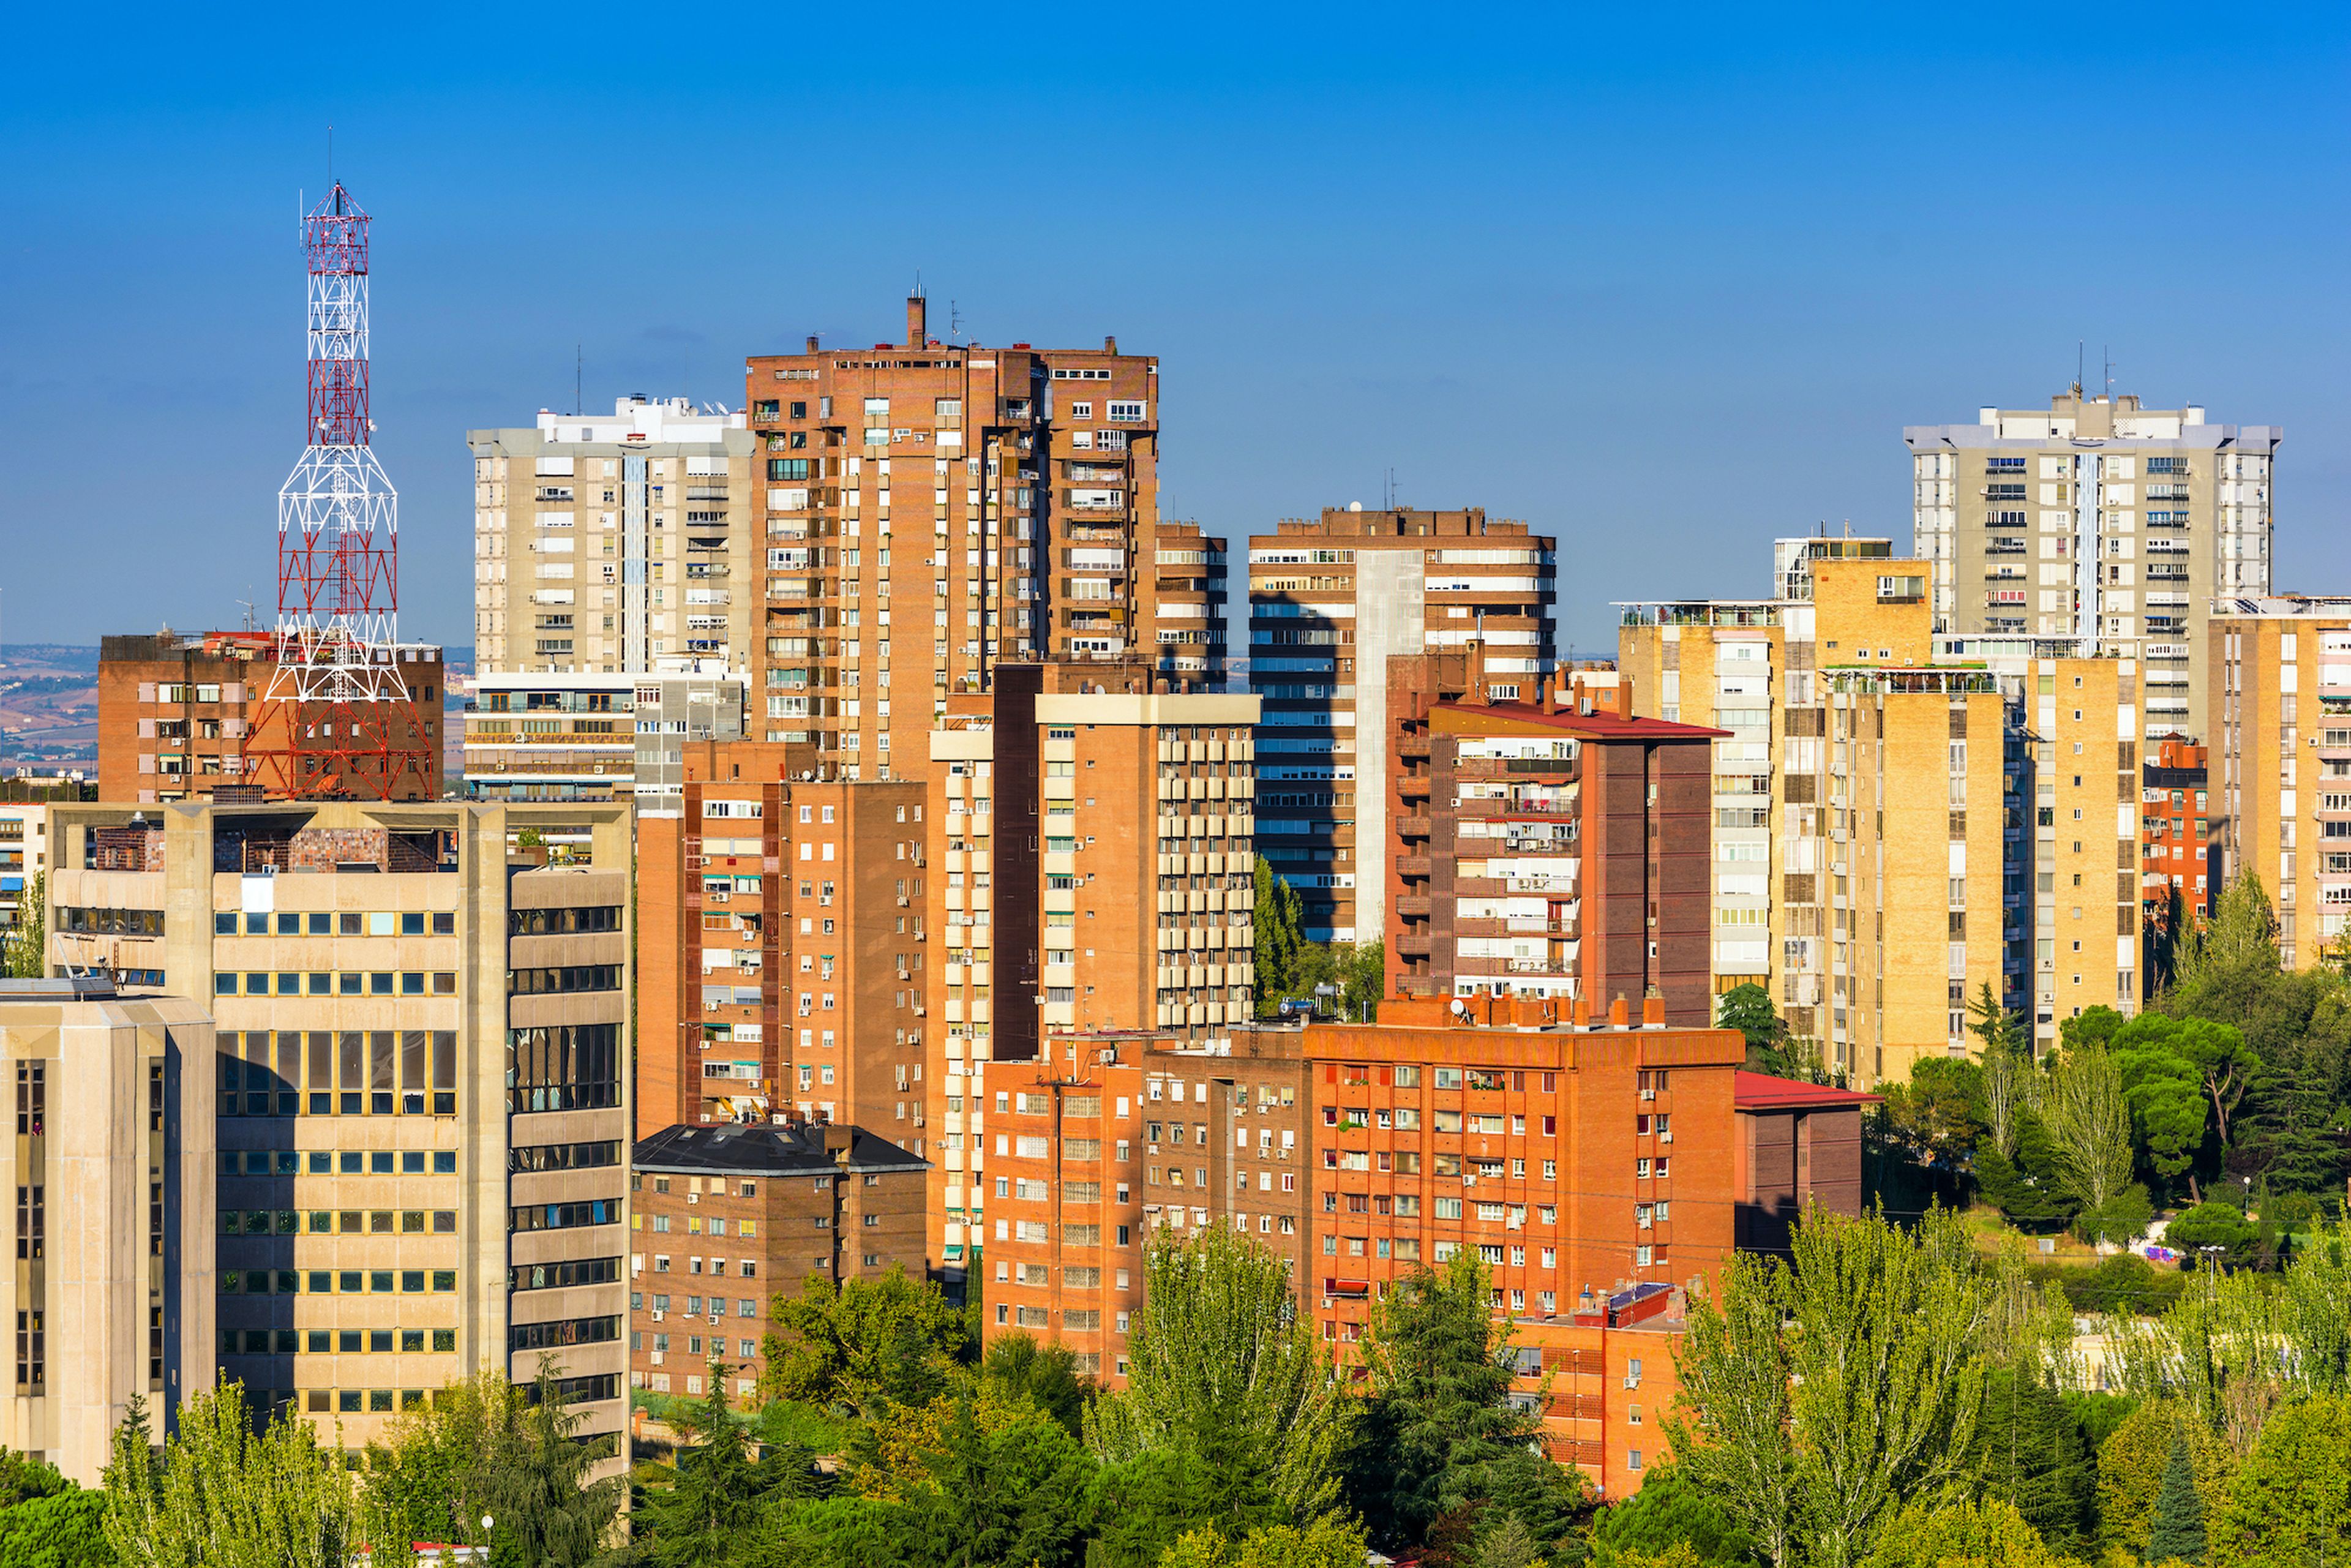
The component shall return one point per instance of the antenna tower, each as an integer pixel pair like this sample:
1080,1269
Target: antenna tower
336,719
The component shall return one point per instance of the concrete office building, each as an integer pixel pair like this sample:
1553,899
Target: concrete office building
2280,775
786,953
112,1295
1090,871
1331,601
2103,522
602,546
931,509
423,1032
724,1219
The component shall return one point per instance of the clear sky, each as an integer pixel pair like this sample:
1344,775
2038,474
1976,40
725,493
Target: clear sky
1665,281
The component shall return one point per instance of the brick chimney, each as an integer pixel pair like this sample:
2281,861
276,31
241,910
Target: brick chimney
917,312
1652,1008
1549,687
1110,345
812,347
1580,1014
1618,1015
1475,685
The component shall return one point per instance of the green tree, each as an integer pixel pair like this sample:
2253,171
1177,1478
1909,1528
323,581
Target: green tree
1279,921
865,1344
1018,1367
1669,1510
63,1529
1221,1365
1820,1391
221,1495
1954,1531
2089,1126
1327,1542
22,957
2175,1530
2131,1465
2029,1454
2290,1502
1001,1496
701,1518
2213,1225
1439,1431
1748,1008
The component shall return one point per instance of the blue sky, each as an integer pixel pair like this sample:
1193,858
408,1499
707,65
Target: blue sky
1664,285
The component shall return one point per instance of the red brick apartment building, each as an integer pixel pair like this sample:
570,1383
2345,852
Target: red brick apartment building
783,959
1555,847
1601,1169
722,1219
2174,830
176,713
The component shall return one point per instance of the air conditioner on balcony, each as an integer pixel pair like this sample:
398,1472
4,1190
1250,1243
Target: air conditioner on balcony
657,1317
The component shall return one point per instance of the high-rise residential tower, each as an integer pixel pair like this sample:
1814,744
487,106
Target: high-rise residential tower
2101,522
1331,601
933,509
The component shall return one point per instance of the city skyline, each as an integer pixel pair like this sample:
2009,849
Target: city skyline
1667,307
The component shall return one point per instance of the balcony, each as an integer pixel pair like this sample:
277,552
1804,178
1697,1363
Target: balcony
1418,867
1412,827
1412,748
1412,943
1414,906
1413,786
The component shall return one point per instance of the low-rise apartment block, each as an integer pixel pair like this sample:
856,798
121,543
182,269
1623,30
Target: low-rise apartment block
1545,846
787,957
1333,599
112,1295
2175,818
724,1218
178,713
420,1081
2281,790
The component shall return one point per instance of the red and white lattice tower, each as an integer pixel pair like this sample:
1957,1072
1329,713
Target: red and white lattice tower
336,718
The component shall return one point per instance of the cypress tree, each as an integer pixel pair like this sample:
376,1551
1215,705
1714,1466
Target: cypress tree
2176,1528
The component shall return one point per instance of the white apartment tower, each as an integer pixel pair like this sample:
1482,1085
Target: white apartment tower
2102,522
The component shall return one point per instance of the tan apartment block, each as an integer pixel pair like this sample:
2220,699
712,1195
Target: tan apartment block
419,1071
1332,600
785,958
1091,871
2103,522
2281,776
931,509
24,855
603,544
723,1219
111,1294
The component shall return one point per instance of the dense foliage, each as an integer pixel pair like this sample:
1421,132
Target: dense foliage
1288,966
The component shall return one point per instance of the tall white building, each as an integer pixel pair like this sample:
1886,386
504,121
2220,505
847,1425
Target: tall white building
2101,522
604,546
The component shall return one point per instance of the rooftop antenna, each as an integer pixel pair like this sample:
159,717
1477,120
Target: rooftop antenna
247,603
2079,368
2106,354
579,361
954,323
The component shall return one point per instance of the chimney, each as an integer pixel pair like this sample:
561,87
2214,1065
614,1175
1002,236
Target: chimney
1475,683
1110,345
917,320
1550,690
812,347
1580,1013
1617,1018
1652,1009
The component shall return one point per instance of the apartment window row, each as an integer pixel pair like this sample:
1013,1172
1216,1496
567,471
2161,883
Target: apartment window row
746,1267
564,1275
349,1072
336,1341
596,1155
333,923
563,1067
570,920
336,983
338,1221
697,1225
563,978
744,1306
336,1281
604,1329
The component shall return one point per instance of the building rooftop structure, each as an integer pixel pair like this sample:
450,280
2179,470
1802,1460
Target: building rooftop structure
777,1150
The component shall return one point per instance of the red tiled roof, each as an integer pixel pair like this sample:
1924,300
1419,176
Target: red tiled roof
1597,726
1762,1092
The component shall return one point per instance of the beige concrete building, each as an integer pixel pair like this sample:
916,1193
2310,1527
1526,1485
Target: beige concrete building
421,1071
603,544
1332,600
111,1294
2102,522
24,855
599,736
2279,773
1091,871
1903,818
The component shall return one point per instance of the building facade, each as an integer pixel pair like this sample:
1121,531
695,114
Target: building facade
1091,871
112,1163
723,1219
24,856
2174,819
1331,601
598,736
421,1053
2281,785
931,509
178,713
2102,522
1546,846
786,956
602,546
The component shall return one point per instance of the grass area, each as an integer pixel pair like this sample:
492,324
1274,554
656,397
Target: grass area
1990,1229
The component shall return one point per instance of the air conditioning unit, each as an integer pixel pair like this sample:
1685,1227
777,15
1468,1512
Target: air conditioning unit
657,1317
693,1198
